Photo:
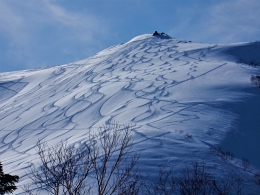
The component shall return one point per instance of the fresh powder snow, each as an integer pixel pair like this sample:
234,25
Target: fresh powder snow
182,99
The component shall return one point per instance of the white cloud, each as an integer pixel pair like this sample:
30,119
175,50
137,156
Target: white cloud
11,24
220,22
17,16
43,26
82,26
235,19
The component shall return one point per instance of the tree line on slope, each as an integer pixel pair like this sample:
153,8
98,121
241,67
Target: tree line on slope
107,166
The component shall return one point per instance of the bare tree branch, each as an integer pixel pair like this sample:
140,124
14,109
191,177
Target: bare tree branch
62,168
103,166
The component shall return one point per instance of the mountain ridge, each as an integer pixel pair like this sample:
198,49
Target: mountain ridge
176,94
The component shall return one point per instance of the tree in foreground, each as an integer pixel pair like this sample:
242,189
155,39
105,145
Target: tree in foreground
103,165
113,163
7,182
63,169
195,180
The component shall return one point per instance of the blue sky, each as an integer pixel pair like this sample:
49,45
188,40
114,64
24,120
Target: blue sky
39,33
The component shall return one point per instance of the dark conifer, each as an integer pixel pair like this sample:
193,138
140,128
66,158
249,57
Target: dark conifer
7,181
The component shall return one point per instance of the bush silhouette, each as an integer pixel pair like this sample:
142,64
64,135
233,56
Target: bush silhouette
255,80
7,181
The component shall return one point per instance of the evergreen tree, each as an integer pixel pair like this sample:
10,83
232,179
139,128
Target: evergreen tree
7,181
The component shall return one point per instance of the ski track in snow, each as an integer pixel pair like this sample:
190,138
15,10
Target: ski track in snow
165,89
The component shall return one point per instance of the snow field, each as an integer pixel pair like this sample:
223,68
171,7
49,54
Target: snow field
176,95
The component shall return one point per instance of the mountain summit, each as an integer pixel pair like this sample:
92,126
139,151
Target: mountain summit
182,99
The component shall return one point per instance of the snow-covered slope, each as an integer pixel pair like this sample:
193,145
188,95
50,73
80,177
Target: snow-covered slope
181,98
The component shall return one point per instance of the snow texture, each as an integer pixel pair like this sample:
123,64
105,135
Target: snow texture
181,99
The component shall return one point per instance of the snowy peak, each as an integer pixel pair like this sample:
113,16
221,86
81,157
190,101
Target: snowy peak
176,94
150,36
